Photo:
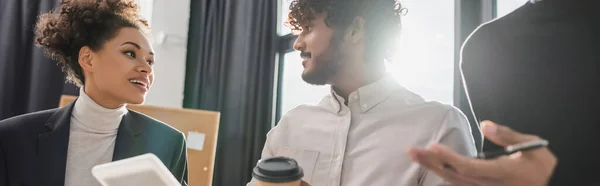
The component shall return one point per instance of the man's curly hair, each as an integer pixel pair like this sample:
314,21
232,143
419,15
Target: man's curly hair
382,20
77,23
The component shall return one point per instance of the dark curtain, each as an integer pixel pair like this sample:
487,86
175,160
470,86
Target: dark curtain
29,81
230,68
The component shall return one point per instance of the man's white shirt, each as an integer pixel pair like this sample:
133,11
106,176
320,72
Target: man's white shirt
365,142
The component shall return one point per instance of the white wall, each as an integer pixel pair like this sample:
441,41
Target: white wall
169,22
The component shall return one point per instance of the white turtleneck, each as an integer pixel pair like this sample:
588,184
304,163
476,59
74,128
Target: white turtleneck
92,139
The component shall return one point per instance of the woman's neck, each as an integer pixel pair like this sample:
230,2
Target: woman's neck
89,113
102,99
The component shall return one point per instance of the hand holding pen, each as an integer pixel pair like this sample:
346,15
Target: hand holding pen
524,161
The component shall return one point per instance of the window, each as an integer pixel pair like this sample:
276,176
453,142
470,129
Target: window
504,7
294,91
426,66
146,8
284,8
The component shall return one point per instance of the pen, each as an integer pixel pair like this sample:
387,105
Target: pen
530,145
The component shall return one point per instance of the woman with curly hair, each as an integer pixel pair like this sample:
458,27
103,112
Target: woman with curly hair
103,47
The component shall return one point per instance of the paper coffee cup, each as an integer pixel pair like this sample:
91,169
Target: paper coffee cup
278,171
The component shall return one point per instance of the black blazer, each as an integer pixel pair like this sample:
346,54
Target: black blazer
537,70
33,147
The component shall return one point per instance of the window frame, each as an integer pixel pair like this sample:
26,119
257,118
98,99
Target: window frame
284,45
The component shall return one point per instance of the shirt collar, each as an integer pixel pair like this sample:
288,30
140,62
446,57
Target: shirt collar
369,95
336,101
94,116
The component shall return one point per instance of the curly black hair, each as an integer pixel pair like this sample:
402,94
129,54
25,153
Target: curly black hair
78,23
382,20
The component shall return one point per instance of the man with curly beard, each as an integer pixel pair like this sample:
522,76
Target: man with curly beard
360,132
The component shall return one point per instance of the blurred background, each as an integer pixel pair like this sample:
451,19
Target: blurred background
236,57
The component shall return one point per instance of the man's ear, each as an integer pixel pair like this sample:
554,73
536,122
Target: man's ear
85,58
356,30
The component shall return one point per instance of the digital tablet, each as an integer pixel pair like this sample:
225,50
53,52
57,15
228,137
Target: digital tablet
145,170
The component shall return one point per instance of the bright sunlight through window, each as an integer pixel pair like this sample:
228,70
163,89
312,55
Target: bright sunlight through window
426,65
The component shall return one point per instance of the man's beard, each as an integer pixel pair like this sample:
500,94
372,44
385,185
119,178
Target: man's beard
326,65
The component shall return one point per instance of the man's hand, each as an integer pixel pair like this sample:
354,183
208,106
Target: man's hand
528,168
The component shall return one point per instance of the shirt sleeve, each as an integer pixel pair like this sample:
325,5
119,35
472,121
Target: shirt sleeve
454,133
268,150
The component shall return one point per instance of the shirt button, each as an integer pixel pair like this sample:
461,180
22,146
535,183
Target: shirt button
364,106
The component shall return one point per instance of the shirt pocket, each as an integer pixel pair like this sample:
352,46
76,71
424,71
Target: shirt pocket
307,160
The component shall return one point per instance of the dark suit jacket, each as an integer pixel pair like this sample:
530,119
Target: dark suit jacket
33,147
537,70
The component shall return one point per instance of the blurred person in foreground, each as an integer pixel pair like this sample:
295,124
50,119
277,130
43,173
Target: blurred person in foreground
537,70
528,168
